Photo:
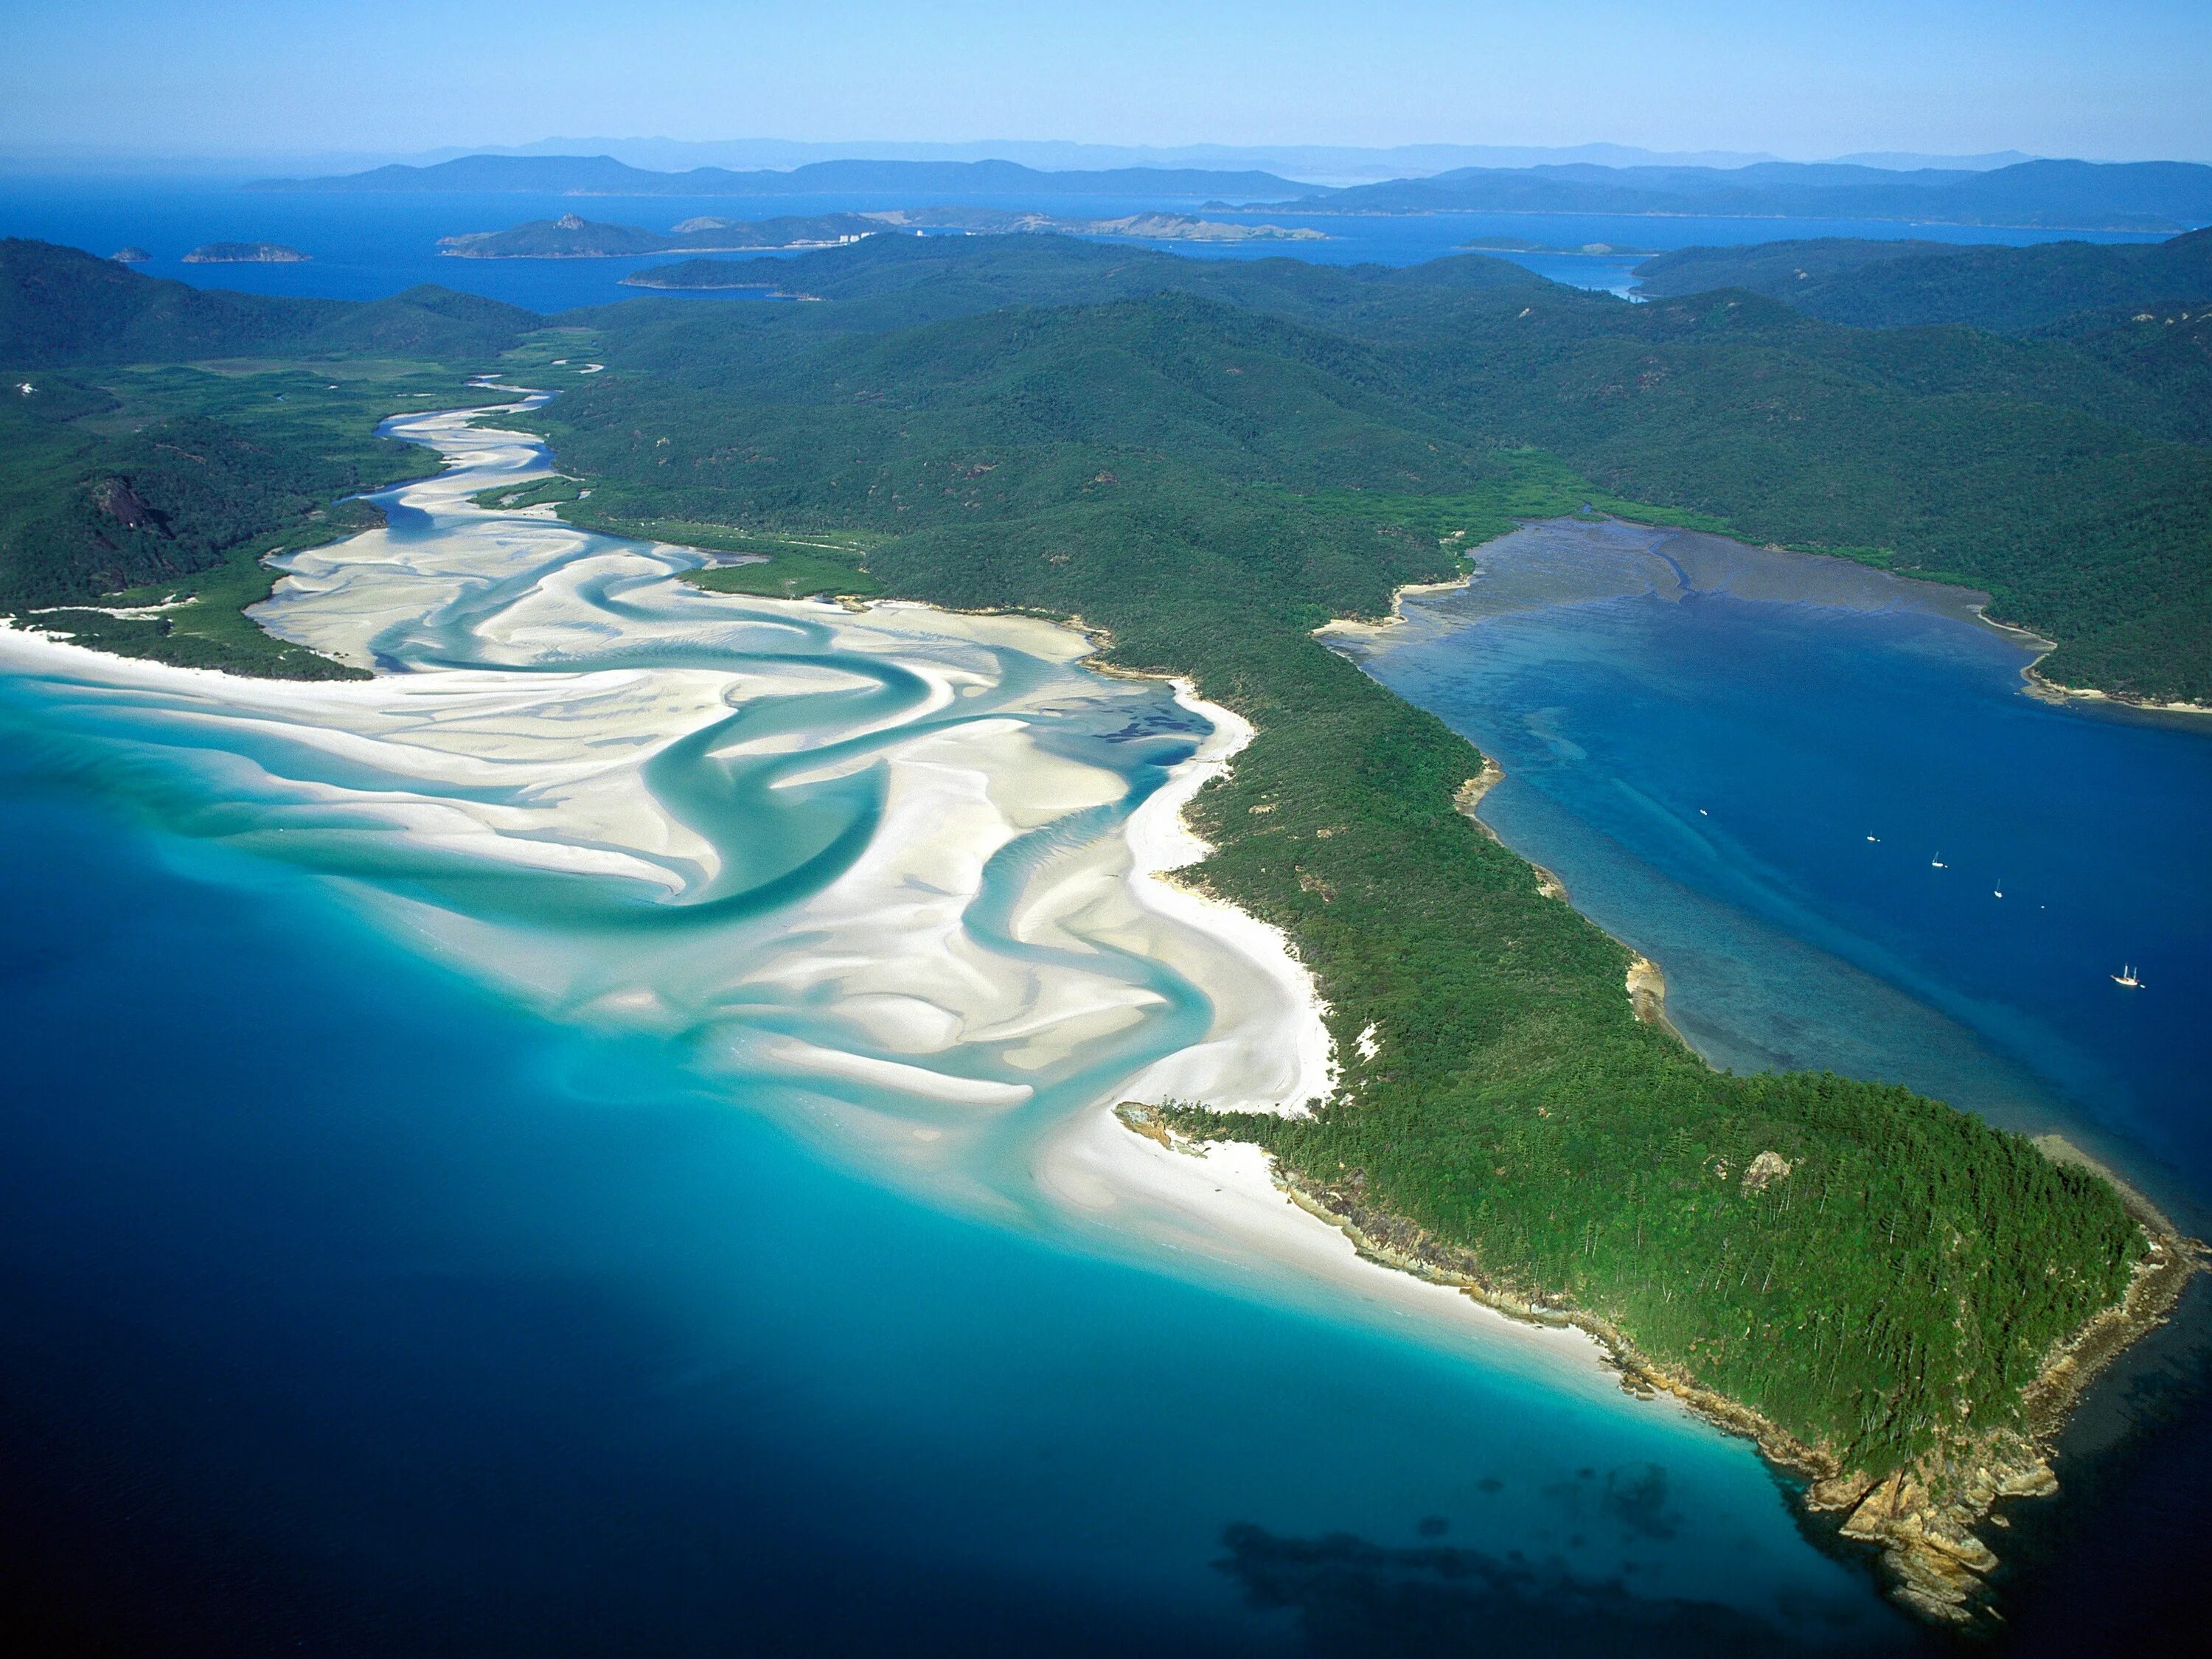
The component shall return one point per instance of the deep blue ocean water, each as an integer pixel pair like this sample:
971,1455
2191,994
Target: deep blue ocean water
367,245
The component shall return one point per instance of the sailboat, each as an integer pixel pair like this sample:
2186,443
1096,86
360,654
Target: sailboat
1937,863
2127,976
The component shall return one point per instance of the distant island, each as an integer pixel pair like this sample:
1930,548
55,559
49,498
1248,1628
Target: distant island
602,175
245,253
133,255
573,237
1138,226
2140,196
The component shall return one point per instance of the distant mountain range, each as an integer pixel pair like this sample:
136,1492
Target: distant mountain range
2055,195
2141,196
602,175
1317,164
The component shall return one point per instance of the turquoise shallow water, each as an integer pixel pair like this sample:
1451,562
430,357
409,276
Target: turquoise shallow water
372,1289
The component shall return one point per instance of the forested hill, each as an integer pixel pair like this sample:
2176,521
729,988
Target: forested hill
2068,481
61,305
602,175
897,281
1900,284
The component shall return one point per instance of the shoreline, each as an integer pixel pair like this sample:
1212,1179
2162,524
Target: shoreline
1920,1520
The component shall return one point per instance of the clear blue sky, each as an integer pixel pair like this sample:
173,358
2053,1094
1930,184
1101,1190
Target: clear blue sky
2116,79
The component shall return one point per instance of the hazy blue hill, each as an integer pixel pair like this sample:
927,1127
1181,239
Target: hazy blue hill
2077,192
61,305
602,175
1900,284
2075,195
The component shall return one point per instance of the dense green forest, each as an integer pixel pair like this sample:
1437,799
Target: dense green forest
1912,284
1207,482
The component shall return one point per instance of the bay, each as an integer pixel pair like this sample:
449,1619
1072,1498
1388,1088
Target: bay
1822,800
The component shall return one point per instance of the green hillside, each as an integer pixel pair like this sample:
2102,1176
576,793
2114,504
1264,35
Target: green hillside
60,305
1907,284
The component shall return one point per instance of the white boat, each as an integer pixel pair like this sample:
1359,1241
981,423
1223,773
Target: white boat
1937,863
2127,976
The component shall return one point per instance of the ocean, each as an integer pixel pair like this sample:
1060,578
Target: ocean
368,246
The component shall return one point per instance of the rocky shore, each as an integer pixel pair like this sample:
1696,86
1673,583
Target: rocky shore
1921,1519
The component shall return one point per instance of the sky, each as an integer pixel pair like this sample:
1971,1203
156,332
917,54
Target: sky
2118,80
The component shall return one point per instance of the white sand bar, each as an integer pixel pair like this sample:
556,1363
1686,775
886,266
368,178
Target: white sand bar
901,876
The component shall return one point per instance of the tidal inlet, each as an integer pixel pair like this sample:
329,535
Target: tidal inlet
901,878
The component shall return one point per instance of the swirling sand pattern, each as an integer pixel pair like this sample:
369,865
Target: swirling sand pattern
881,865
